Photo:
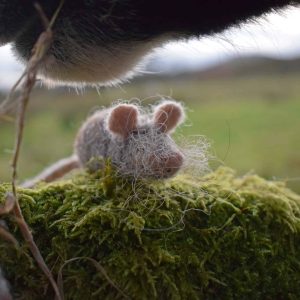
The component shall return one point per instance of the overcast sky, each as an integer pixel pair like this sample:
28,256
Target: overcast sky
277,35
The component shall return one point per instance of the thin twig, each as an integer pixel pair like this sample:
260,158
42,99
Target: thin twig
5,106
28,79
8,205
5,209
97,265
8,236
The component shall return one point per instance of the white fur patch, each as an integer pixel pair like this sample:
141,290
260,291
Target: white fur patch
96,66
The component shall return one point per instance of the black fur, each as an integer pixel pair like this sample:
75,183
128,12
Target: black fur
114,27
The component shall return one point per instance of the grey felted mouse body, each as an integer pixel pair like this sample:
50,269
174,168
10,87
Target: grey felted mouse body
138,145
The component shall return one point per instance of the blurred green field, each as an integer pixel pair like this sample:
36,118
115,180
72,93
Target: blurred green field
252,123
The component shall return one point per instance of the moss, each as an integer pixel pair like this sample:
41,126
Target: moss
215,237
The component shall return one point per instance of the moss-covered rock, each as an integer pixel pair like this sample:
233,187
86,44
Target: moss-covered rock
215,237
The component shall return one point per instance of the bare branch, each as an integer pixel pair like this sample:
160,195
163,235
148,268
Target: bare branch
4,234
98,267
8,205
28,80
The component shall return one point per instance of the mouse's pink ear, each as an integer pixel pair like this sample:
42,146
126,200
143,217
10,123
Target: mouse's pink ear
168,115
123,119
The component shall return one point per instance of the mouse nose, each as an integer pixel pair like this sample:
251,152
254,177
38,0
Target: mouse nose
167,166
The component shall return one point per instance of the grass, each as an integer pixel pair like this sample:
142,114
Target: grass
253,123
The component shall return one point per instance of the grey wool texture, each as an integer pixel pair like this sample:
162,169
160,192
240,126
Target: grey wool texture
145,150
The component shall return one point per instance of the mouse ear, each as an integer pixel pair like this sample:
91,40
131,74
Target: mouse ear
123,119
168,115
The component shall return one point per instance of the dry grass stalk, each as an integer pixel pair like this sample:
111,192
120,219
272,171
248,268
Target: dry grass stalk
98,267
28,80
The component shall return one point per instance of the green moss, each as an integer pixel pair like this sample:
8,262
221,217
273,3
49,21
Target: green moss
217,237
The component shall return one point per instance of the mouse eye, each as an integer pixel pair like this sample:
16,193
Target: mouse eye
139,131
134,132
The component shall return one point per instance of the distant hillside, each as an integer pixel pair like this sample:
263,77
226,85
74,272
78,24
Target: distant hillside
253,66
242,67
249,66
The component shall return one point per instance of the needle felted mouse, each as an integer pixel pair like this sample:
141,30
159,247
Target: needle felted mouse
139,145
